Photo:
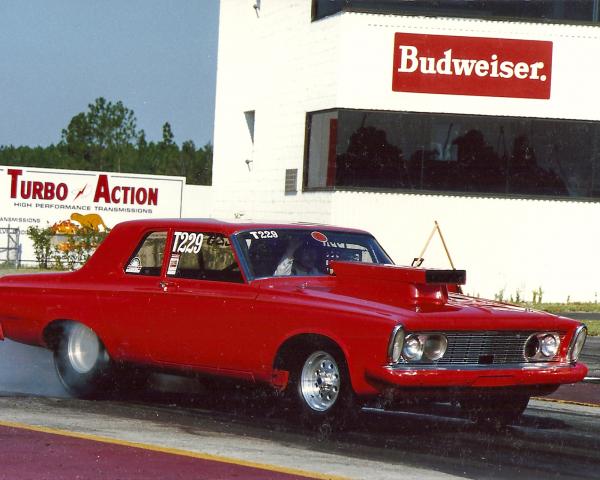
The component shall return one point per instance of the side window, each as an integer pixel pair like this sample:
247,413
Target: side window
203,256
148,256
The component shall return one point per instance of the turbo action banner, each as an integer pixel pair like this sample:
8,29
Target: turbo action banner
43,197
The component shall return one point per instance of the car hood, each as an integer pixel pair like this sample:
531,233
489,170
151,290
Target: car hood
418,298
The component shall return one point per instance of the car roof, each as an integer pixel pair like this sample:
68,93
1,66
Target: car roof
117,246
230,227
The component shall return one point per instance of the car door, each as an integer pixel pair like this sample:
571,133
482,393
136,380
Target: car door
135,298
204,293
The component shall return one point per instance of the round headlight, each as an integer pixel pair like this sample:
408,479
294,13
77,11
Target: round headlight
549,345
532,347
413,348
435,347
578,343
396,344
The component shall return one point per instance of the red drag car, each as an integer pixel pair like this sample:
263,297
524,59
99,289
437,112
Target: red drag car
318,312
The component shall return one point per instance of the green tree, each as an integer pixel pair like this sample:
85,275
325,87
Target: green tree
100,136
204,161
168,153
167,135
105,137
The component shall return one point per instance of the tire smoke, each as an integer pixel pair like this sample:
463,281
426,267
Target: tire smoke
28,370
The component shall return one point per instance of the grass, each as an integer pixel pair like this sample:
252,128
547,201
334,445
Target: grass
566,307
573,307
593,327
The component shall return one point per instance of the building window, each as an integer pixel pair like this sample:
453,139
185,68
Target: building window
291,181
500,156
545,10
250,117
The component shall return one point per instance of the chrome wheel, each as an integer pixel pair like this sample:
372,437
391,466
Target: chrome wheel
83,348
320,381
82,363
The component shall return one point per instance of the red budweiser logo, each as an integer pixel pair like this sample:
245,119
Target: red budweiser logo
491,67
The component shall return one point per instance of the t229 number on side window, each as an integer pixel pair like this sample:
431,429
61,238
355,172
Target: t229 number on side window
264,234
187,242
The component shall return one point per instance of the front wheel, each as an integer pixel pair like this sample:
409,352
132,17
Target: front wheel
320,387
82,363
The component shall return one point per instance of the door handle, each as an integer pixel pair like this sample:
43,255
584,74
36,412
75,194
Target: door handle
164,284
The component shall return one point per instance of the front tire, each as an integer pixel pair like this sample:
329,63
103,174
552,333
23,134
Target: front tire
321,390
82,363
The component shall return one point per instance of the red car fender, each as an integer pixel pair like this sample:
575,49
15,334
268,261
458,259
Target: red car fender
355,362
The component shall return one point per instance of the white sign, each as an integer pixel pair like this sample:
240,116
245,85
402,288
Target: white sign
42,197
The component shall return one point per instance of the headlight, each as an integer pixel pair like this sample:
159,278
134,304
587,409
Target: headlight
396,344
435,347
549,345
542,346
532,347
413,348
577,343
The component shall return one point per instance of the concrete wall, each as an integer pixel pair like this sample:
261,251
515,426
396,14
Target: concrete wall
280,65
365,66
505,245
197,202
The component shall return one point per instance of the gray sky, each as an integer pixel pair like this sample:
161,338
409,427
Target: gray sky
157,56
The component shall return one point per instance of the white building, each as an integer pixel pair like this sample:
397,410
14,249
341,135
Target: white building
326,112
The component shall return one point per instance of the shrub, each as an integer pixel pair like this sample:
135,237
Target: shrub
64,245
42,244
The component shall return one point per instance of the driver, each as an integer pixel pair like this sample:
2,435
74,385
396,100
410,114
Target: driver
300,258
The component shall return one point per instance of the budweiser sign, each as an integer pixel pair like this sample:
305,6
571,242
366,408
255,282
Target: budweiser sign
491,67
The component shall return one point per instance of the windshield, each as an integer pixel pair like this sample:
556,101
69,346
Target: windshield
286,252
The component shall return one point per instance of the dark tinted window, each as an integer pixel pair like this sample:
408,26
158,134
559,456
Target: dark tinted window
453,153
572,10
286,252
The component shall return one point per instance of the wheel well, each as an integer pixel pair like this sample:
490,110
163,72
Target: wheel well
293,348
53,333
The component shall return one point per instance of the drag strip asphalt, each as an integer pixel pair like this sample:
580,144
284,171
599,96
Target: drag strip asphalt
240,428
260,442
552,439
37,453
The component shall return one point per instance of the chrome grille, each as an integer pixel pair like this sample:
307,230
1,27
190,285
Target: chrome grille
476,348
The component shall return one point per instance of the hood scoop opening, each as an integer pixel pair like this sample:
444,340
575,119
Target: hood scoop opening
393,284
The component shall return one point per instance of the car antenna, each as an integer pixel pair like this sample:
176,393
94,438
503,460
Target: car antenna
418,261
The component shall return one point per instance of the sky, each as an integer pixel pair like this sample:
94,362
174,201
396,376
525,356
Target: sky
156,56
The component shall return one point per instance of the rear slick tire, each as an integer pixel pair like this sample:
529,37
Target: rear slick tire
82,363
